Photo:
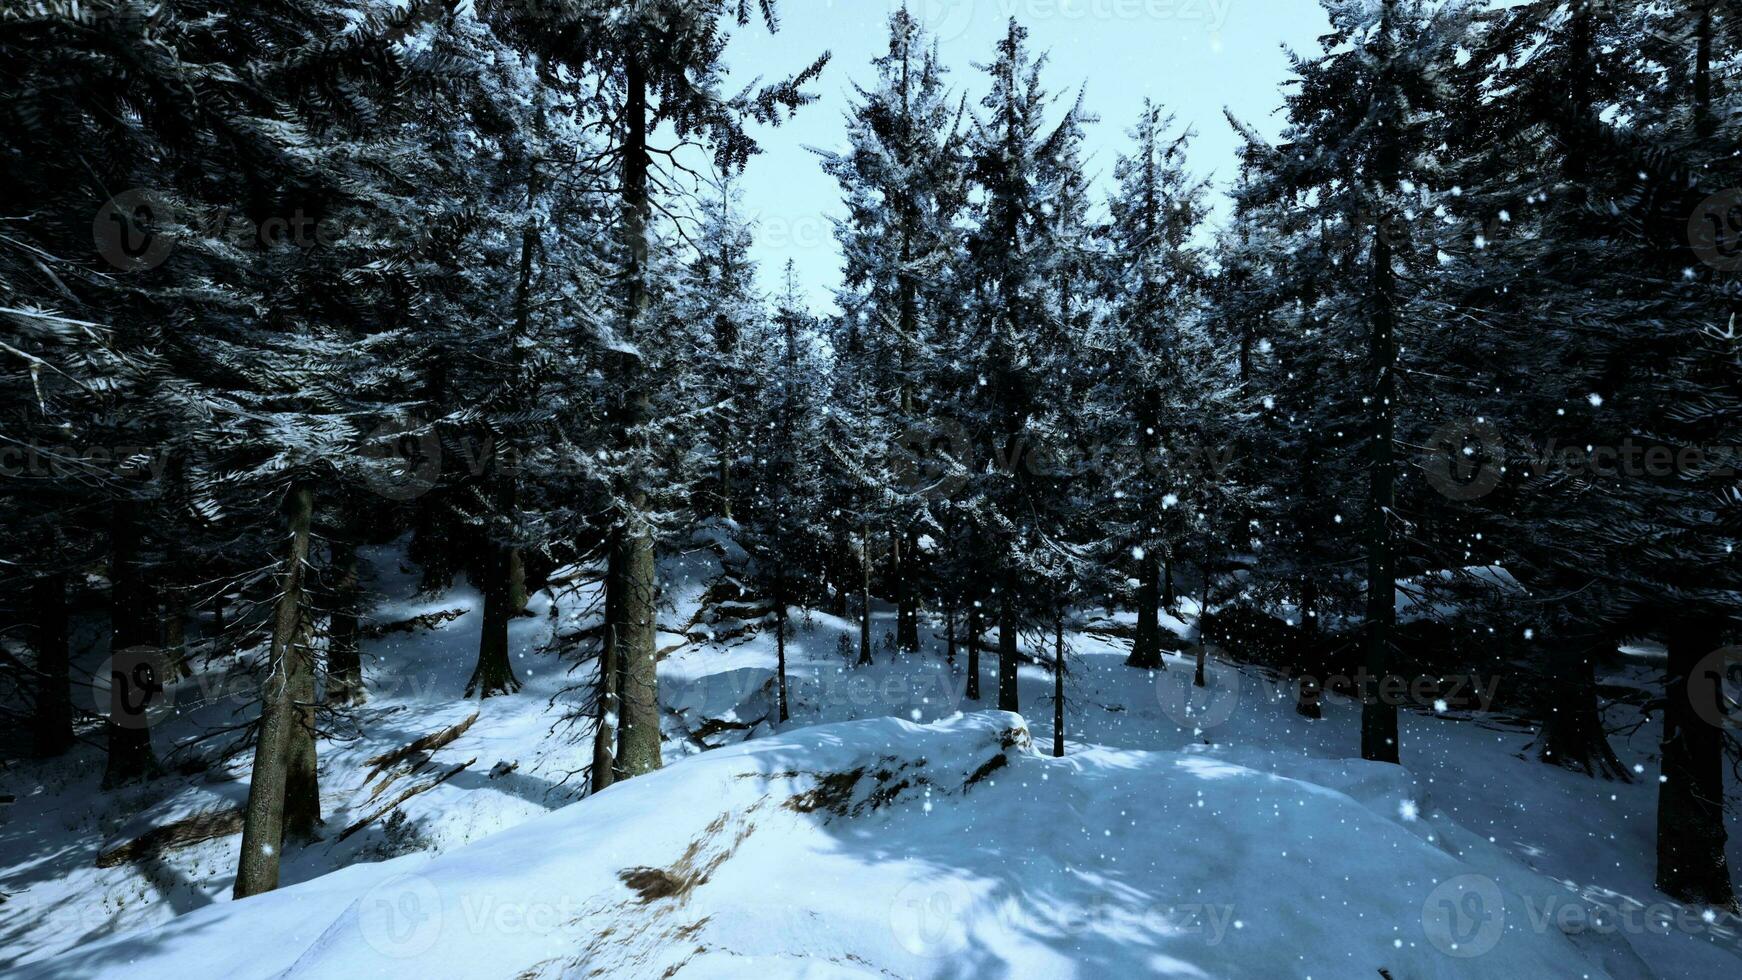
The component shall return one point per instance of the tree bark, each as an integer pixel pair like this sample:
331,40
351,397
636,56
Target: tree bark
865,598
906,597
780,642
1309,684
950,635
637,581
1691,863
263,822
637,664
54,706
494,673
302,790
344,653
1572,735
973,691
1146,647
1379,719
132,628
605,733
1007,653
1058,687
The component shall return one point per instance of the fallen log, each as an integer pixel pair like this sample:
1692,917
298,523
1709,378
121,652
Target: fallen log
186,832
424,745
406,795
423,621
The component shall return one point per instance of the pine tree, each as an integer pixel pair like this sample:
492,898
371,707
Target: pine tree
901,179
1018,163
659,63
1358,147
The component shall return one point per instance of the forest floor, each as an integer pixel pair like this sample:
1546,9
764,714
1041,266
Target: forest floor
880,832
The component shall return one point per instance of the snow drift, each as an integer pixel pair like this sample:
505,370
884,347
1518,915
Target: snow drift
883,847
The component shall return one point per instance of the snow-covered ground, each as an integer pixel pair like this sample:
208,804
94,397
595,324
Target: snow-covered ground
880,832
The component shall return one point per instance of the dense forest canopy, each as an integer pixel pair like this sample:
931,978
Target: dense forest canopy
1454,388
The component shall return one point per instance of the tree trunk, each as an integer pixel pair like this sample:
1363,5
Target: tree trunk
1168,600
1309,684
780,643
175,632
344,653
1691,863
973,691
494,673
637,579
54,706
1146,647
637,663
605,733
220,643
1379,719
1703,122
1058,687
950,635
264,818
865,598
723,436
518,594
136,677
302,789
433,535
1007,699
1572,735
907,597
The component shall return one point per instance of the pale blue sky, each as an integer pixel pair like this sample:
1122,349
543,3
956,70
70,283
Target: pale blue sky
1192,56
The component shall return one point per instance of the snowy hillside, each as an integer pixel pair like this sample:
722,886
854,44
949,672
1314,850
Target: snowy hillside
1191,833
888,848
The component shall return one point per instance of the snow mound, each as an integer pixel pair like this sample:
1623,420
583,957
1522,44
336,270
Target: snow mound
883,847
